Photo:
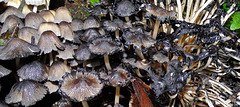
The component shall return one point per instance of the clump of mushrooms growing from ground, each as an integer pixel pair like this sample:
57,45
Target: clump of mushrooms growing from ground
161,53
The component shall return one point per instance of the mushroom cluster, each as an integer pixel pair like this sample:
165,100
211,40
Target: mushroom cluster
161,53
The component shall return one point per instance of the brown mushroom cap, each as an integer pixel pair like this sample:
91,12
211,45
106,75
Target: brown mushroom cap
119,77
33,71
57,70
62,14
28,92
51,87
27,9
68,53
17,48
81,85
89,34
11,21
45,26
47,15
159,12
83,53
103,46
33,20
4,71
91,22
110,25
77,24
125,8
66,30
49,41
28,33
11,11
138,39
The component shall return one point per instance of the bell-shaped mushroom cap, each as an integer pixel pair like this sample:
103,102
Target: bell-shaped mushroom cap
77,24
49,41
83,53
103,46
17,48
33,71
11,21
98,11
4,71
47,15
62,14
125,8
119,77
35,2
66,30
89,34
28,92
14,3
81,85
121,24
159,12
136,63
27,9
110,26
28,34
161,58
45,26
33,20
68,53
51,87
91,22
138,40
10,11
57,70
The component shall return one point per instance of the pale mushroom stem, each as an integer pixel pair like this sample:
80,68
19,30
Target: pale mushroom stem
127,19
35,9
17,62
117,95
155,31
138,73
117,34
65,61
139,53
85,104
51,58
107,64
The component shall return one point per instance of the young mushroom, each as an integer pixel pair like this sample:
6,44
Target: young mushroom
48,42
10,11
11,21
119,78
62,14
125,8
81,86
28,92
33,20
17,48
57,70
104,46
33,71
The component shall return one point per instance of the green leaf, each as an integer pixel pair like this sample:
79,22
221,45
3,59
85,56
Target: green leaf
94,1
225,8
236,21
